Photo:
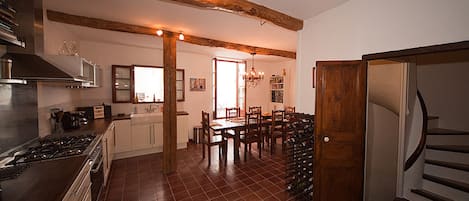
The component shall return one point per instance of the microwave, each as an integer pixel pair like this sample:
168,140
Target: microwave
78,67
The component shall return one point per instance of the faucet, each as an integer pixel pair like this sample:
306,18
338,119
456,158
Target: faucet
150,109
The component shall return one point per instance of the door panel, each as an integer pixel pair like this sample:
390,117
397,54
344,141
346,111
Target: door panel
141,135
123,136
340,117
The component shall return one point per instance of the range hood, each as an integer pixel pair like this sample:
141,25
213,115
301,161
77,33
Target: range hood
29,63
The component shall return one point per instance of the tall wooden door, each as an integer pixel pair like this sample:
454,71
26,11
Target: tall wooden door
339,131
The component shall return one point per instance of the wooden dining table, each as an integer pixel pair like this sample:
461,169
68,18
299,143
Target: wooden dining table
238,125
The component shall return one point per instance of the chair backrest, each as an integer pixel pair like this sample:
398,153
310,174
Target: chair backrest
289,109
255,109
232,112
277,119
253,123
206,125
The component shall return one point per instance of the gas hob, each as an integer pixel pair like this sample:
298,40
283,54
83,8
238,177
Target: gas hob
52,148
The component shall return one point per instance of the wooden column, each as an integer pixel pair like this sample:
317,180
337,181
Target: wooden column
169,111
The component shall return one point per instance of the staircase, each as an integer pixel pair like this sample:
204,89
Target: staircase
446,169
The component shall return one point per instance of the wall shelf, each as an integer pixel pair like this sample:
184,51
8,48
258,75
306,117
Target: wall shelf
277,88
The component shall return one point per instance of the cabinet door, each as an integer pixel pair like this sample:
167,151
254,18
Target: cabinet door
123,137
182,136
105,156
111,142
122,84
158,133
141,136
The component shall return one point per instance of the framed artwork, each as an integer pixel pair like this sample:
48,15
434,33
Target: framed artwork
197,84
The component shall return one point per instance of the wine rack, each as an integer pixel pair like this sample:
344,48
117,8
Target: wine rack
300,150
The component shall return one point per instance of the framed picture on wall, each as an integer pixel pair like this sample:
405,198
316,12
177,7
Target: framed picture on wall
197,84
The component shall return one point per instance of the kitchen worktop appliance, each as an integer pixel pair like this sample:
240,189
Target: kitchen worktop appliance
56,147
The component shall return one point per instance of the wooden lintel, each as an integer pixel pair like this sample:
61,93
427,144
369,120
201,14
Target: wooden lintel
251,9
129,28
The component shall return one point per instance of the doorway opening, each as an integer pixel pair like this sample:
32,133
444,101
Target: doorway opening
229,88
439,79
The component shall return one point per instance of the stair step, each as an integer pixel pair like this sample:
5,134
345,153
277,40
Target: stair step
453,148
448,182
457,166
430,195
443,131
454,157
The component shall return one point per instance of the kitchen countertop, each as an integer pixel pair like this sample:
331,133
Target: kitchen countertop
43,181
49,180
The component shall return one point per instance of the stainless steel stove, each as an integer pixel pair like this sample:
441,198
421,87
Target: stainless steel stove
52,148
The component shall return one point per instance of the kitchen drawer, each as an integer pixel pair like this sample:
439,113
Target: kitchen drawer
81,185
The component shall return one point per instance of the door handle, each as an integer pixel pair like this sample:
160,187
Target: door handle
326,139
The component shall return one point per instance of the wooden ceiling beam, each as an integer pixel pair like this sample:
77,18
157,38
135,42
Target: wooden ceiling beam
248,8
136,29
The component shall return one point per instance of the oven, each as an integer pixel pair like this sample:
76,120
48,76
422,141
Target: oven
97,172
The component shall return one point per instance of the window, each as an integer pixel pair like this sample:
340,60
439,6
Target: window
229,87
149,84
143,84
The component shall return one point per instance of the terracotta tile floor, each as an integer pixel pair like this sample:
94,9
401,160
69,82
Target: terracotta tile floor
141,178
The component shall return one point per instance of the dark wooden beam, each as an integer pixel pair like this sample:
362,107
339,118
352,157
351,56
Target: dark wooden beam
169,108
129,28
248,8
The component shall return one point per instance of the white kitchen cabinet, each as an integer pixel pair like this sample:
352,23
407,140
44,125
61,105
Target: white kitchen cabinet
108,150
141,136
182,131
146,134
158,139
123,137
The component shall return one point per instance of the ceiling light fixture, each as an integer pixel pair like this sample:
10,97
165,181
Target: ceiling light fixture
181,36
253,78
159,32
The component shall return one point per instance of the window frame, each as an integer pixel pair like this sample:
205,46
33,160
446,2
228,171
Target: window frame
132,84
215,84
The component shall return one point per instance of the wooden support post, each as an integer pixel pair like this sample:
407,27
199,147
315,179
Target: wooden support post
169,111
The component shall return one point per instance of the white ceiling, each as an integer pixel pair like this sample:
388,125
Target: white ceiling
301,9
194,21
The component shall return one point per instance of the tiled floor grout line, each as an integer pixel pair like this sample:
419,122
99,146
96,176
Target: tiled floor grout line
254,179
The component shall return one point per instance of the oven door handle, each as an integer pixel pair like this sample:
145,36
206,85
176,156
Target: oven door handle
100,163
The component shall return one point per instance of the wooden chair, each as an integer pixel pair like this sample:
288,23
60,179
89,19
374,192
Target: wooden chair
210,140
277,129
289,114
252,133
289,109
232,112
258,110
255,109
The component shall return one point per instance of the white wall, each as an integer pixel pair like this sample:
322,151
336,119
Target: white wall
444,88
106,54
384,84
261,95
381,153
51,95
194,65
359,27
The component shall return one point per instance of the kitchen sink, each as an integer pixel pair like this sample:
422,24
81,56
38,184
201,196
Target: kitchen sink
146,118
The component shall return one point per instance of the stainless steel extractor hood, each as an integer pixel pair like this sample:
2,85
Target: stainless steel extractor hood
28,63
